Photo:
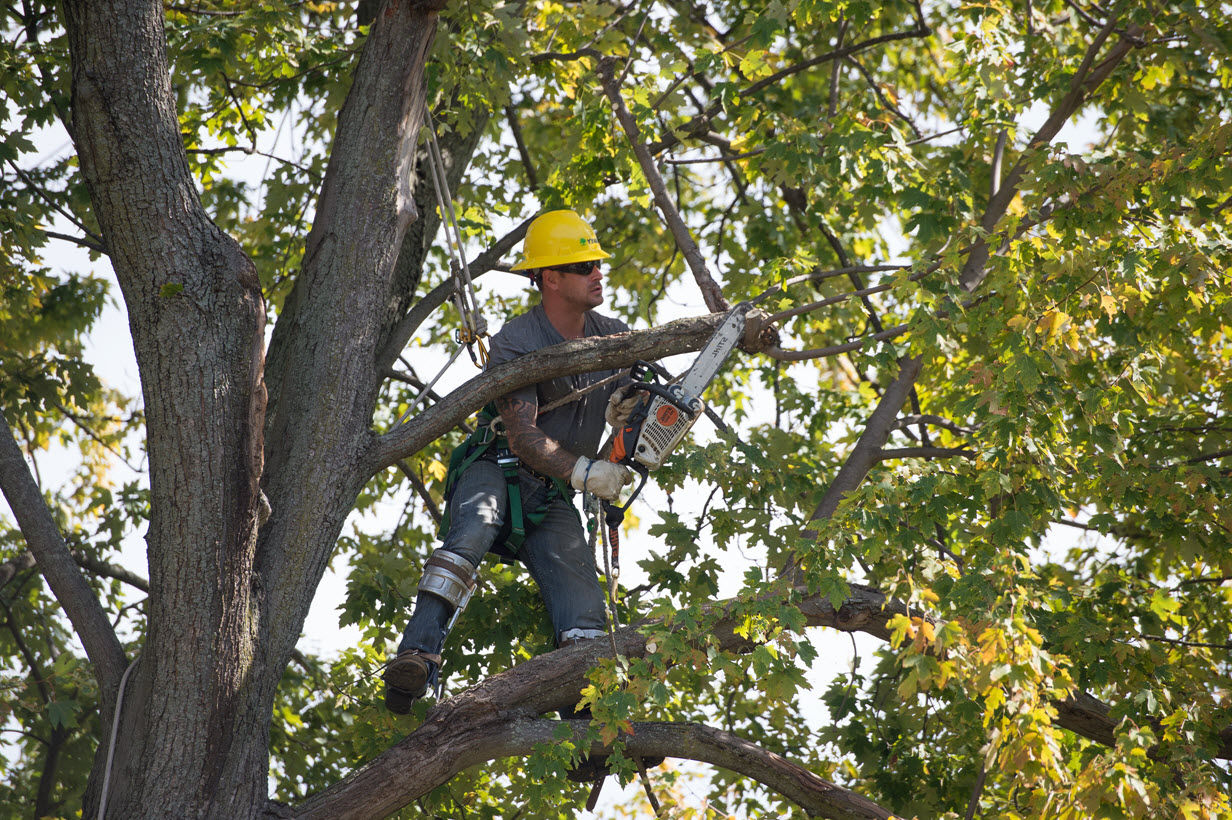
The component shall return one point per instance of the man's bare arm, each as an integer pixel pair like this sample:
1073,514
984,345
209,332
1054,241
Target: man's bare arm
539,451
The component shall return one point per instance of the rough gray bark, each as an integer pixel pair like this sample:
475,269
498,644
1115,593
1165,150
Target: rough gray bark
185,730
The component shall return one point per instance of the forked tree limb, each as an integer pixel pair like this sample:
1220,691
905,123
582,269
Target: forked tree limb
1086,79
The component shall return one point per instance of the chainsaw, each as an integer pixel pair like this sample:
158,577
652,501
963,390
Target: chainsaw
667,412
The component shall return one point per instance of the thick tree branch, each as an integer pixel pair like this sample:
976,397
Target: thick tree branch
864,455
580,356
924,452
694,741
468,728
711,291
57,565
106,569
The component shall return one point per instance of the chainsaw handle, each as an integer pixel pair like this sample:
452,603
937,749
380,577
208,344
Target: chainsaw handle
668,396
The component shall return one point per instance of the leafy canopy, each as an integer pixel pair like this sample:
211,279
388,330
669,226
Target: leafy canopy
1057,508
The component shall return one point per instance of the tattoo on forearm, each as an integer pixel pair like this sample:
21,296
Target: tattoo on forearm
540,451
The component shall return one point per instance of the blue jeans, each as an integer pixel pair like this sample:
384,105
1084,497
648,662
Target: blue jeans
555,552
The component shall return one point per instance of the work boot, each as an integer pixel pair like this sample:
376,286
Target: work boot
407,678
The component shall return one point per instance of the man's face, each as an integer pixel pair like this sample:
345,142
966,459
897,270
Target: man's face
584,290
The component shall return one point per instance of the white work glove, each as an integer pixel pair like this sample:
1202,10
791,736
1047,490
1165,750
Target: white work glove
602,478
620,405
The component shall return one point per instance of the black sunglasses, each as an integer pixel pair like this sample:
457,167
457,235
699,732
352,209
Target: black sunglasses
580,268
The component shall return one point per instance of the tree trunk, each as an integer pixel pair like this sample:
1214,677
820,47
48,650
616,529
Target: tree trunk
187,746
227,596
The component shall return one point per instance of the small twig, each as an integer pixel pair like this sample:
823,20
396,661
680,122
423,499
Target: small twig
820,275
43,195
76,240
935,421
98,439
925,452
830,300
834,350
421,490
1195,644
1081,12
1213,579
515,127
239,107
931,137
885,101
703,160
632,45
252,151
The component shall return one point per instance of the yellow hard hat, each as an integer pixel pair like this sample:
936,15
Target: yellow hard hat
559,238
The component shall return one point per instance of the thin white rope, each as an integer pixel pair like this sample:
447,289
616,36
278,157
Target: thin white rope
464,289
111,744
612,573
429,386
457,295
464,269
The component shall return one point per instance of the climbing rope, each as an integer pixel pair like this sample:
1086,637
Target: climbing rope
611,570
474,327
111,743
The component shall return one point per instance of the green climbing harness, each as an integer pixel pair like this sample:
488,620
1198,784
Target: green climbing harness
489,434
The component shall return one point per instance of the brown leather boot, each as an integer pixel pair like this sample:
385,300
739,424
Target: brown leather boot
407,678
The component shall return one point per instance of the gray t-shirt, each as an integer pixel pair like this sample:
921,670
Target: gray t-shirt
578,425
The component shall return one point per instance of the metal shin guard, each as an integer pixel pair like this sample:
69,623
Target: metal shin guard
451,578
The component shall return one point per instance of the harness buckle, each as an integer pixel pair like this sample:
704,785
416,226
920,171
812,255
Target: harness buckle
507,461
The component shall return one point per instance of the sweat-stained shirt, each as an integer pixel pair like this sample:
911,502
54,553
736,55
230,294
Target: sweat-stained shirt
578,425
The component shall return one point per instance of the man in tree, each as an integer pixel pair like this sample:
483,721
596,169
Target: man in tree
510,485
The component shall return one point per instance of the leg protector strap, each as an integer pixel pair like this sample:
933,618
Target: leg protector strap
571,636
449,577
